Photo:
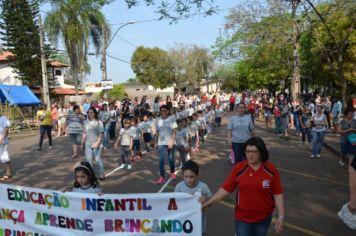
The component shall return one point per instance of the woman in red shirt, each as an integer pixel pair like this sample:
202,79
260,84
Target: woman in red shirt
259,190
214,101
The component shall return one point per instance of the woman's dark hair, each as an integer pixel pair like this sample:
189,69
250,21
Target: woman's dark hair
88,170
156,99
75,107
96,117
261,146
192,166
104,105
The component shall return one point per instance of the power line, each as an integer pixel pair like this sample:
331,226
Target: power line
118,59
126,41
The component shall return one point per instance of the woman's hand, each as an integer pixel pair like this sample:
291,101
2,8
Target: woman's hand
279,224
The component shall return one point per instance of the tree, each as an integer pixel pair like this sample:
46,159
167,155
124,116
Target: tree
20,35
199,66
177,9
334,37
117,92
152,66
78,23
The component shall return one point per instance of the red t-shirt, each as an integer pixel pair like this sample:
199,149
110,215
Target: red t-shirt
214,101
255,190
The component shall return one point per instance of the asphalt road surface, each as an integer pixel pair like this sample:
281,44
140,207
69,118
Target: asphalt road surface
314,190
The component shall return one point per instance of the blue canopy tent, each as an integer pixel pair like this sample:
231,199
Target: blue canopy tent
17,96
14,95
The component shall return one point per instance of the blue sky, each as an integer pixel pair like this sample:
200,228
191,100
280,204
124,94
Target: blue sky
198,30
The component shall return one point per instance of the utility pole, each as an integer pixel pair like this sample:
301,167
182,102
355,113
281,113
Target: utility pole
105,46
103,60
45,91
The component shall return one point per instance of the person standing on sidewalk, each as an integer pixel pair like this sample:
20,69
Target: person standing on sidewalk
75,121
318,131
240,129
4,141
44,118
346,127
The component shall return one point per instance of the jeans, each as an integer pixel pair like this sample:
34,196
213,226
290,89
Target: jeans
317,142
306,132
238,149
90,154
296,123
278,125
106,135
125,153
112,130
45,129
164,152
253,229
136,147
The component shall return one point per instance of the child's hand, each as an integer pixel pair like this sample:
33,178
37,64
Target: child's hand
100,194
202,199
66,189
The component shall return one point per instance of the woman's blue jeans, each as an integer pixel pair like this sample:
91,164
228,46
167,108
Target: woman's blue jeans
317,142
253,229
278,125
94,153
163,153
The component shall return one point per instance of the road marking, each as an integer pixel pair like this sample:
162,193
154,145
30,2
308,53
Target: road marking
168,181
112,172
288,225
312,176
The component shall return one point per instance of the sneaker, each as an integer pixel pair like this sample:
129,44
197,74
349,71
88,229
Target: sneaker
138,157
132,158
39,149
173,176
161,180
122,166
317,155
341,163
347,217
50,147
312,156
129,166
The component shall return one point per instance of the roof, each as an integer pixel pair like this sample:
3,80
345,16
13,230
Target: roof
4,56
67,91
57,64
17,95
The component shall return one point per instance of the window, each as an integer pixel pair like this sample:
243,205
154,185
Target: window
58,72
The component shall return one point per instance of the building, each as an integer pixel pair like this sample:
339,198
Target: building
56,71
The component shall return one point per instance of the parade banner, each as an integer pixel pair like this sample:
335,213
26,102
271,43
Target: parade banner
28,211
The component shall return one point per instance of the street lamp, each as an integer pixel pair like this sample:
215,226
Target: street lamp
104,49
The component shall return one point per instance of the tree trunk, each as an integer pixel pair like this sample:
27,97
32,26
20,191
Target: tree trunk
342,79
295,82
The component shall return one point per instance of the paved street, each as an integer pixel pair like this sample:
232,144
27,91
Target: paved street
314,189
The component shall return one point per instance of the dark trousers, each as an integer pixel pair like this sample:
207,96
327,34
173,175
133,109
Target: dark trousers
112,130
232,106
238,149
45,129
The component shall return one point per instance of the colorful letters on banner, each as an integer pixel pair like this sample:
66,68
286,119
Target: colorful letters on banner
38,212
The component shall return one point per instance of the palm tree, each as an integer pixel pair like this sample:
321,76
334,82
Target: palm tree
78,23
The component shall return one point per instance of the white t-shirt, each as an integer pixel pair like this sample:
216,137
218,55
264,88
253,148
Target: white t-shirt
4,123
146,126
126,135
182,137
165,128
135,132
